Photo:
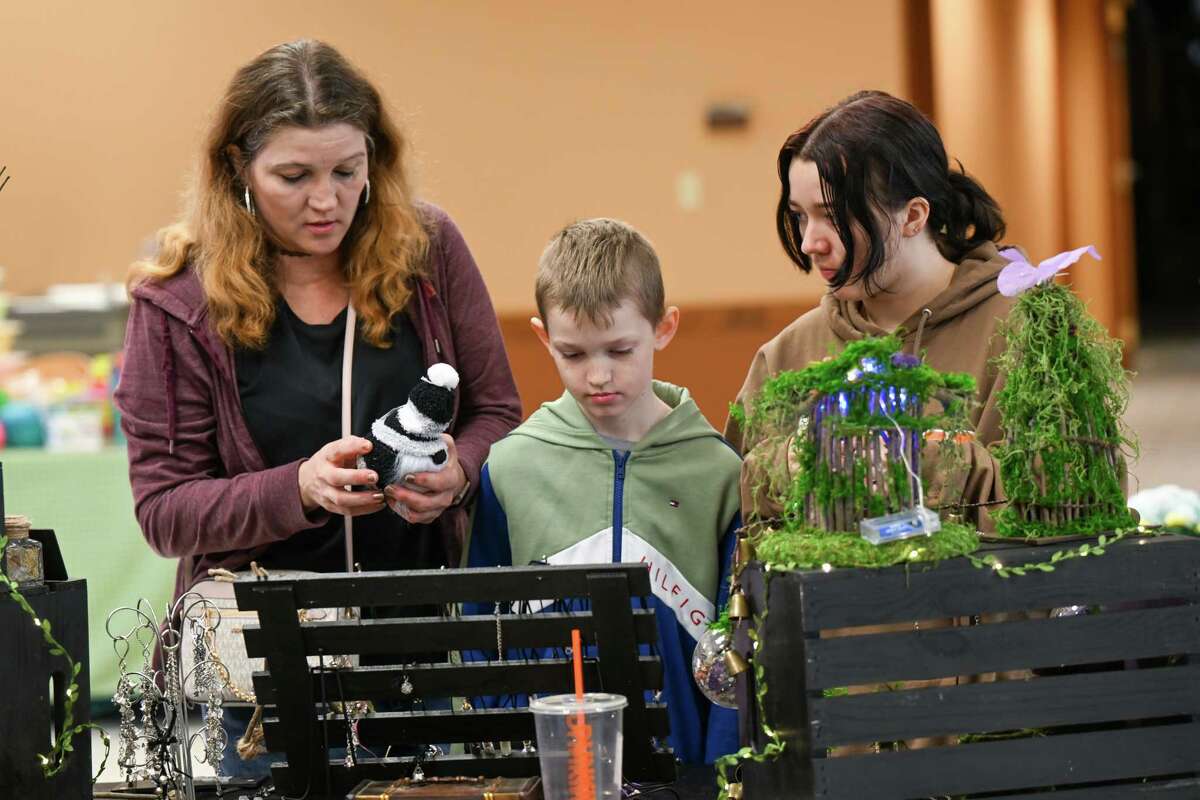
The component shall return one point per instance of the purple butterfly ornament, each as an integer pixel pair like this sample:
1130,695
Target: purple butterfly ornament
1020,275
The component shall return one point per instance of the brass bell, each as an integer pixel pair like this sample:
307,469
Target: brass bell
739,606
733,791
745,551
735,663
953,517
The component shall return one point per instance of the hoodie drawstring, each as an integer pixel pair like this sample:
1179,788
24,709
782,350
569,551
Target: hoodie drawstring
424,286
168,372
925,314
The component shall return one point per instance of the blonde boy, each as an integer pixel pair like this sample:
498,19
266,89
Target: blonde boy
620,468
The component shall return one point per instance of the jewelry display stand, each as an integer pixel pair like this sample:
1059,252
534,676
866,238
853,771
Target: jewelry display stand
308,710
155,739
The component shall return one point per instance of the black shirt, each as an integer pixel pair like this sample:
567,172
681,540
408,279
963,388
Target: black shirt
291,393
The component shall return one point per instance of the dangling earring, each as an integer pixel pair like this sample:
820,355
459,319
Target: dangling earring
367,193
246,200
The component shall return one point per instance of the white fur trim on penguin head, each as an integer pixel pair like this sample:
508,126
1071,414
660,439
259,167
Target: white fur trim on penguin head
443,375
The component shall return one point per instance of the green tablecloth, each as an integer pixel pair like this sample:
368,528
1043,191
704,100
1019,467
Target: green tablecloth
86,499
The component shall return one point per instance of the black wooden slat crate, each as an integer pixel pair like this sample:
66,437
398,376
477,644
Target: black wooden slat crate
1096,706
295,695
34,684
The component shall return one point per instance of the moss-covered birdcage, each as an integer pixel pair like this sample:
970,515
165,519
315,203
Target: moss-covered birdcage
853,425
1062,458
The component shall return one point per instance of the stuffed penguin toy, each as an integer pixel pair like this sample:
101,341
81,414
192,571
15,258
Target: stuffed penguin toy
407,439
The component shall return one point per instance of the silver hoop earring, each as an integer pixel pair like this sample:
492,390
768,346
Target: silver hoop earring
246,200
367,193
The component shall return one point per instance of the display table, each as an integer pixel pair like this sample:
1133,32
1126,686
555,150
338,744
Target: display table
86,499
695,783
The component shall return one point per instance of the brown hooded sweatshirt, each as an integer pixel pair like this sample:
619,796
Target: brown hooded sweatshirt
956,331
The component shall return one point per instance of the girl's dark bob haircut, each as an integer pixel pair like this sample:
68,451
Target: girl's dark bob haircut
874,153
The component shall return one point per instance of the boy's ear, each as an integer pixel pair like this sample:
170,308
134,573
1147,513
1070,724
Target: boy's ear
539,330
664,331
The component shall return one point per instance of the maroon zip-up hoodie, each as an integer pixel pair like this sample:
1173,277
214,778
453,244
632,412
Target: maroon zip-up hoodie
202,491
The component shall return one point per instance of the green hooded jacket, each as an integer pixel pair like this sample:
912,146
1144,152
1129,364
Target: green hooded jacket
562,491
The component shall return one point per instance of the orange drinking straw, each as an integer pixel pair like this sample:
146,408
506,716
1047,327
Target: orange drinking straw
581,772
577,655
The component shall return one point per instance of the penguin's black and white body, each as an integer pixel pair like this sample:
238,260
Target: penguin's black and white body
408,439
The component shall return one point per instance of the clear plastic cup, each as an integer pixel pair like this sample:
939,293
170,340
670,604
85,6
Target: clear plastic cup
579,745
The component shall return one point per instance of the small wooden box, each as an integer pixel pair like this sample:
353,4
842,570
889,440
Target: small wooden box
1104,704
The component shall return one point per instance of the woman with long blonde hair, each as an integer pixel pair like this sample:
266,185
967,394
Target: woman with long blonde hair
302,220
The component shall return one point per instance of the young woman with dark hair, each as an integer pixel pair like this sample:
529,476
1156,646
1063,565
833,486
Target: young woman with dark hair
905,242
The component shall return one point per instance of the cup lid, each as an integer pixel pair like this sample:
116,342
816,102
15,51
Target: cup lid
590,703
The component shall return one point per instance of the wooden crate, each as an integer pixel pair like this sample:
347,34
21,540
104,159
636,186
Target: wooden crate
296,694
1114,695
33,684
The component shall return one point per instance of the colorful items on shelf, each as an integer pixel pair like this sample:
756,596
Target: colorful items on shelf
23,425
61,401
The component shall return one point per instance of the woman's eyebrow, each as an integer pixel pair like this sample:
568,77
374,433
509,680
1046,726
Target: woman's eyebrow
302,165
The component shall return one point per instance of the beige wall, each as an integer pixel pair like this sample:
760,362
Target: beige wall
524,115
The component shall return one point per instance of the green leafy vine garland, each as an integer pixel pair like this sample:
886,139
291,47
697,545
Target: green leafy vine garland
775,744
993,562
